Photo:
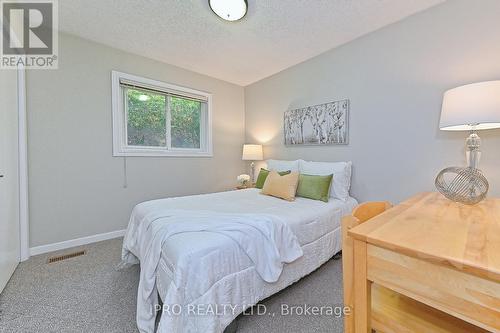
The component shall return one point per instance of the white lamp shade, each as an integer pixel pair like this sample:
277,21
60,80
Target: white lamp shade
474,105
252,153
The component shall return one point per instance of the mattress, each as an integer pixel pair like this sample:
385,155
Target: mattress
308,219
311,221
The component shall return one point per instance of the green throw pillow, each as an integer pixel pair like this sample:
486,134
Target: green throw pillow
314,187
261,179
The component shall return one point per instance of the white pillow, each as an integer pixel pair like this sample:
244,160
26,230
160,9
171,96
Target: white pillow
341,171
280,165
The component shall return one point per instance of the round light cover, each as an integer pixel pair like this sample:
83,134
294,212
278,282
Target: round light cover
229,10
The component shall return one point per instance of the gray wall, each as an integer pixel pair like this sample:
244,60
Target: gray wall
395,79
75,183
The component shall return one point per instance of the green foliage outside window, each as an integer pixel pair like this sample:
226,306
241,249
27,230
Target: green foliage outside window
185,128
146,120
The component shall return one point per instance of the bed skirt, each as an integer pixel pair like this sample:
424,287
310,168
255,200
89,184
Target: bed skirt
246,288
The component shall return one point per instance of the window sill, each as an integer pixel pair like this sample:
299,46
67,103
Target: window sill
162,154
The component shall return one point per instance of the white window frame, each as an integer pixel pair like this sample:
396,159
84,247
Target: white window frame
120,145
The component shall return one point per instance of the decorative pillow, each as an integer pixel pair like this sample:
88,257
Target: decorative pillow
280,165
263,173
341,176
314,187
283,187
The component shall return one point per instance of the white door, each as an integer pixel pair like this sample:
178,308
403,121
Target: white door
9,176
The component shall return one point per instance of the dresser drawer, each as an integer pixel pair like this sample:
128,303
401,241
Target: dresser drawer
471,298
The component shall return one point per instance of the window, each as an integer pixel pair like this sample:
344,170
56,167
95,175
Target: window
152,118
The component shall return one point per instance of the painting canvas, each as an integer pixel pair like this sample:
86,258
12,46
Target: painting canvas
323,124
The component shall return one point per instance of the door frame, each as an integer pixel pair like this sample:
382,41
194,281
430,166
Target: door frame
23,165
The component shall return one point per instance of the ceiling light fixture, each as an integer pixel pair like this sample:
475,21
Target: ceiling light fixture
229,10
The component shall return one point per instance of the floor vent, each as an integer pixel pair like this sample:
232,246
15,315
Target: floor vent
66,256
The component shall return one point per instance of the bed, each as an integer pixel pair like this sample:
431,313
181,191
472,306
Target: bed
210,257
219,281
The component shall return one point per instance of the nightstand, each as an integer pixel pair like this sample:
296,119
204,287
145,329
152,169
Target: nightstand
244,187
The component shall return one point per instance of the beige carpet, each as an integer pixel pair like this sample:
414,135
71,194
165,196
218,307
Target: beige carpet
87,294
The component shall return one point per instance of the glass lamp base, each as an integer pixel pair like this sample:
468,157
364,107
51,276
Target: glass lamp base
473,152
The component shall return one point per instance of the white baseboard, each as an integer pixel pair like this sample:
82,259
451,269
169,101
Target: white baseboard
76,242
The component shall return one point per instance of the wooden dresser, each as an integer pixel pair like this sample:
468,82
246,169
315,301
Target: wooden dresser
442,256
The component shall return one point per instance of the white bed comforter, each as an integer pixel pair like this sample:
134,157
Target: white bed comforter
265,239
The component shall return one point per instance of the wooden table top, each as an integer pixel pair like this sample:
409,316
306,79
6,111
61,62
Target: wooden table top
430,227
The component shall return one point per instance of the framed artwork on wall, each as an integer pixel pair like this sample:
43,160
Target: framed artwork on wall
322,124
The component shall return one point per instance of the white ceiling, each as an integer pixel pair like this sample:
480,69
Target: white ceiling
274,35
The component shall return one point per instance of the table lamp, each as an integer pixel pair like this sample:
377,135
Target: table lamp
470,108
252,153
